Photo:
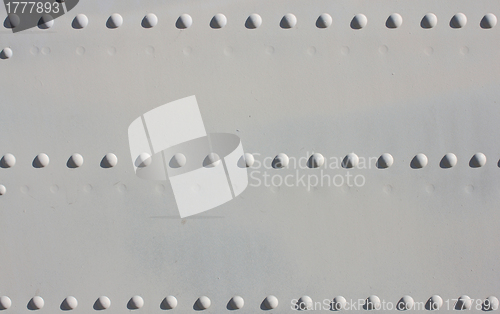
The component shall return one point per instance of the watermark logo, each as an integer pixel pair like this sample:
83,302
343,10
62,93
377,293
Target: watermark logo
23,15
170,143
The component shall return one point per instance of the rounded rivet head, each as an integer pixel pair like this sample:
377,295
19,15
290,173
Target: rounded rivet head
70,303
449,160
305,303
385,161
110,160
372,303
150,20
429,21
280,161
218,21
212,160
478,160
114,21
8,160
271,302
288,21
488,21
249,159
324,20
5,302
463,303
46,21
316,160
435,302
253,21
37,302
237,302
136,302
351,160
359,21
394,21
203,303
6,53
41,161
184,21
3,189
143,160
75,161
80,21
490,303
12,20
419,161
170,302
177,161
339,303
405,303
458,20
103,302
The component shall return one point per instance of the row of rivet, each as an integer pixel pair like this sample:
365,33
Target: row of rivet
270,302
316,160
289,20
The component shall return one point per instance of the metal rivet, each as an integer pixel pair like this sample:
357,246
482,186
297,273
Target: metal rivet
12,20
324,20
385,161
394,20
169,303
490,304
372,303
102,303
218,21
203,303
212,160
478,160
280,161
316,160
177,161
271,302
25,189
305,303
489,21
419,161
429,21
3,189
236,302
143,160
350,160
80,21
435,302
46,51
114,21
463,303
136,302
253,21
288,21
249,159
5,302
41,161
75,161
359,21
338,303
110,160
6,53
37,303
46,21
184,21
150,20
70,303
449,160
405,303
458,20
